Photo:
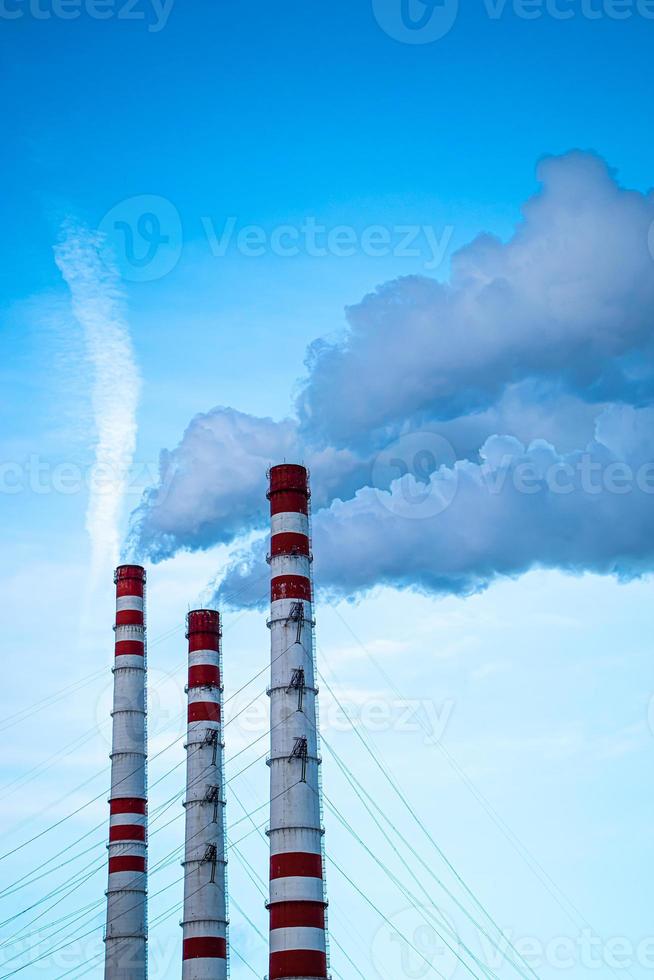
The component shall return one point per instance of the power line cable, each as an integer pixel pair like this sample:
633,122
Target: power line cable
385,771
161,865
407,894
381,915
532,862
367,803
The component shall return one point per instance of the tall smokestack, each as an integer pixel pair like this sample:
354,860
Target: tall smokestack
126,931
298,937
205,866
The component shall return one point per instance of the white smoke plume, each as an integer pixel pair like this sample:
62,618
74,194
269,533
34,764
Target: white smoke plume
519,508
568,301
212,487
535,338
98,307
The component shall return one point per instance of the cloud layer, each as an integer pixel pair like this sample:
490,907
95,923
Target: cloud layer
547,337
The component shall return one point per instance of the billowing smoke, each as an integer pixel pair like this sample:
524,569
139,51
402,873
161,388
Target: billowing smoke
518,509
98,307
568,301
213,486
539,338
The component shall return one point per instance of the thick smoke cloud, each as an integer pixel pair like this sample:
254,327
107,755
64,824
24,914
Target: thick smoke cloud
533,339
212,487
519,508
569,300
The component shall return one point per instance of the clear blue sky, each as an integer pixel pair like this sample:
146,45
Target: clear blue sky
538,785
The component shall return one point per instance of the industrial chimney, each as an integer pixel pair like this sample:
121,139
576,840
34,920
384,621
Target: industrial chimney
205,866
298,937
126,930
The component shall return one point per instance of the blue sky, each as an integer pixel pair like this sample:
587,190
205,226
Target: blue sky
521,732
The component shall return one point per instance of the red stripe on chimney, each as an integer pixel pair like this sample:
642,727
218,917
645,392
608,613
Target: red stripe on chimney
297,915
289,502
295,864
290,587
204,711
126,831
205,947
204,675
126,862
298,963
289,543
128,805
130,580
130,648
129,617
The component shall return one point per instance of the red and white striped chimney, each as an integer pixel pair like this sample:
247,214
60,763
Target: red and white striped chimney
126,929
298,937
205,866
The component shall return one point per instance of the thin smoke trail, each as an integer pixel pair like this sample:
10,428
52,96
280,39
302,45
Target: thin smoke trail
97,303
